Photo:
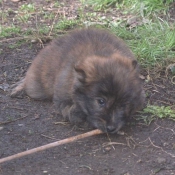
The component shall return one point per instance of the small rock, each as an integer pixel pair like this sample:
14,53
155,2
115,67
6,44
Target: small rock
132,20
33,41
29,22
1,128
5,74
108,148
139,161
15,0
142,77
120,133
161,160
45,172
20,124
103,17
126,174
165,144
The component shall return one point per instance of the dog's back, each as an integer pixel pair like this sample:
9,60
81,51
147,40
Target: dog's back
61,55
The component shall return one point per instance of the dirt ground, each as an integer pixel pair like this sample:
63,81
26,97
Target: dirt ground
26,124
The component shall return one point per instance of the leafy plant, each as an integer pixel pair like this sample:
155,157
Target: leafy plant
8,31
152,112
27,8
65,24
160,111
25,12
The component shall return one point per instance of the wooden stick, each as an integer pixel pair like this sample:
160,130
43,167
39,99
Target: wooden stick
50,145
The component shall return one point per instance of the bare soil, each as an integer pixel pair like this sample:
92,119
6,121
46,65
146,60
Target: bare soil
26,124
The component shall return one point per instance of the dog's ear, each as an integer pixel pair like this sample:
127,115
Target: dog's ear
79,69
134,64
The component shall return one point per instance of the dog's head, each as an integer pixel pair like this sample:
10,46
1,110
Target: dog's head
108,90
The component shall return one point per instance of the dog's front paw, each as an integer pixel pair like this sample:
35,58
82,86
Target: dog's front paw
76,115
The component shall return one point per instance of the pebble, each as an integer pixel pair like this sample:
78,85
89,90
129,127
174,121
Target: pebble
132,20
4,86
161,160
1,128
126,174
107,148
33,41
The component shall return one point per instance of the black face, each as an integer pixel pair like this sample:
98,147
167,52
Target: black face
108,91
106,115
108,103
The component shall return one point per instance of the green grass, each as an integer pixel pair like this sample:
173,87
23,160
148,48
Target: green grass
65,24
48,15
13,31
102,4
9,31
16,44
149,7
143,7
152,43
25,12
28,8
42,30
151,112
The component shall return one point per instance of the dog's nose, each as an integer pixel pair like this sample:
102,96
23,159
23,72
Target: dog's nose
110,129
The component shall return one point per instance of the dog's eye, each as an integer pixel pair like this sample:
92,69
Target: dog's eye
101,102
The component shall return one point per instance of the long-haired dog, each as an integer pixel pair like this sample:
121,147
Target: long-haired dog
91,75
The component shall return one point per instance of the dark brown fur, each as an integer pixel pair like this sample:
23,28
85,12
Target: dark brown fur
91,75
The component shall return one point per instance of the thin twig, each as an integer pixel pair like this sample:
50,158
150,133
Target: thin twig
113,143
51,145
53,22
172,155
13,107
110,142
6,122
48,137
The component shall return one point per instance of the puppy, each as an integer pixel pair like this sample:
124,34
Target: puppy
91,75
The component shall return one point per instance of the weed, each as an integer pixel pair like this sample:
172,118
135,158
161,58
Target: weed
160,111
3,16
56,4
43,30
27,8
65,24
151,112
9,31
49,16
16,44
25,12
24,18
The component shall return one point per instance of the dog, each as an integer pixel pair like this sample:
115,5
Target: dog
91,75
